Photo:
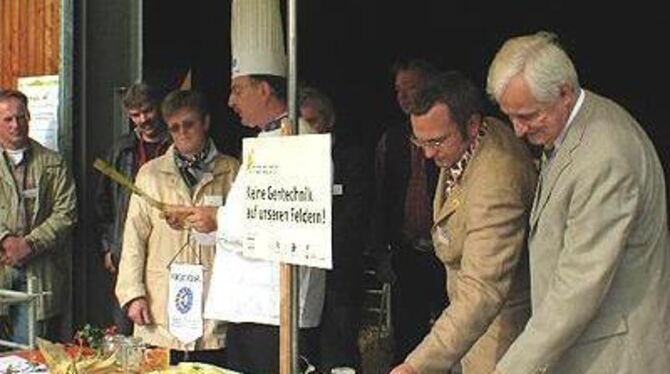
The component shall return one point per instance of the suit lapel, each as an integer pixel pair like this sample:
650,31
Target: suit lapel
562,159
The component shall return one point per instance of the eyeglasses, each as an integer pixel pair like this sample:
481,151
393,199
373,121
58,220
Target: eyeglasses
185,126
430,143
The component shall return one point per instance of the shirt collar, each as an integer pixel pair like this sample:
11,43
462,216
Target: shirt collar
273,124
573,114
17,156
455,172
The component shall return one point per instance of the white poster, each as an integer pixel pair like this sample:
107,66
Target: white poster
185,302
42,92
287,199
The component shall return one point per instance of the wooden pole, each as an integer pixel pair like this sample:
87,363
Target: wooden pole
288,276
287,355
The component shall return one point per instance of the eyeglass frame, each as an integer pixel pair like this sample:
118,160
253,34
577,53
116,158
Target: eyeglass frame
434,143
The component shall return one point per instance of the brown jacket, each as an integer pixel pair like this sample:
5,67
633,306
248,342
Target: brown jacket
149,245
480,236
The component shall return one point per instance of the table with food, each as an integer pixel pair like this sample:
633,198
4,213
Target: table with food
98,351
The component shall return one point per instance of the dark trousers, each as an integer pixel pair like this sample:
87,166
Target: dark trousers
338,337
417,296
254,349
215,357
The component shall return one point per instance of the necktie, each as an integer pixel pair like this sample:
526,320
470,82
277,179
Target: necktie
545,159
547,155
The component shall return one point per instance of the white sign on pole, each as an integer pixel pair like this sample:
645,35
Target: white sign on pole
287,199
42,92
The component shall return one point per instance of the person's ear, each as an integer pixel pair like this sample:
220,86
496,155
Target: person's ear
206,122
473,125
265,89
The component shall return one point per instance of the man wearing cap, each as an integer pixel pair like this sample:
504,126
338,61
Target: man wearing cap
258,96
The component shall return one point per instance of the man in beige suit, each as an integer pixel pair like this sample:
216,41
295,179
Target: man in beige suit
598,242
481,208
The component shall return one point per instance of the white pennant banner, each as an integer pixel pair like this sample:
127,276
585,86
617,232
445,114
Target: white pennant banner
185,302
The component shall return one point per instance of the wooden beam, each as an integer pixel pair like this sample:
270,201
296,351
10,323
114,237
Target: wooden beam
24,25
39,67
14,46
32,30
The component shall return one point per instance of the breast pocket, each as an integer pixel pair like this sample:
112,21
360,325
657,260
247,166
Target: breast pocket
447,240
604,327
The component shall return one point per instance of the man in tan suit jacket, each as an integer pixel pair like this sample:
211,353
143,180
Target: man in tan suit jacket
481,210
598,242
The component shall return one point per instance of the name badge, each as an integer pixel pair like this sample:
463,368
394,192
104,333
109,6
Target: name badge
29,193
213,200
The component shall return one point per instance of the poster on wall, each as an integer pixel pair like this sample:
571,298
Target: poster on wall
42,92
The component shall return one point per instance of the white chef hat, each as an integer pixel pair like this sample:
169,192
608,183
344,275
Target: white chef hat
257,38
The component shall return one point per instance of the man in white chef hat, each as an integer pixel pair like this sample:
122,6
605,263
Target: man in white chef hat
245,292
259,67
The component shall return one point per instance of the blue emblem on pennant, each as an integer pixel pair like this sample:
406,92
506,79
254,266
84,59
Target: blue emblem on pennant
184,300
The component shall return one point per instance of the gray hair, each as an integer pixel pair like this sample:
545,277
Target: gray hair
539,59
321,102
184,99
140,94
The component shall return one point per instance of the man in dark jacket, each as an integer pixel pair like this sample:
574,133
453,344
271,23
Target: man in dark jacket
148,140
401,220
352,184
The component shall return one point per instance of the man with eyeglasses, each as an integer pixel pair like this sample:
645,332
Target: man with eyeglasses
147,140
481,208
37,214
191,173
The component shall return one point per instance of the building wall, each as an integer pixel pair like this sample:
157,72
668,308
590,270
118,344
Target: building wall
106,58
29,39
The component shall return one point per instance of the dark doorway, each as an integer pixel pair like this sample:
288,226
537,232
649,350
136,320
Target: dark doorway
346,47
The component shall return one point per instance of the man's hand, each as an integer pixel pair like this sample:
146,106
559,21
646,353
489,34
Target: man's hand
14,250
203,219
109,262
138,312
404,368
200,218
175,216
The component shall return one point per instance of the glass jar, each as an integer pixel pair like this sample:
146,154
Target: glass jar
130,354
110,344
